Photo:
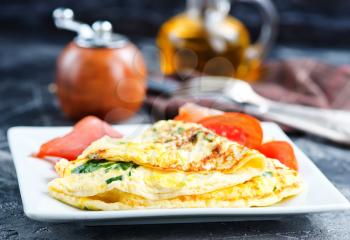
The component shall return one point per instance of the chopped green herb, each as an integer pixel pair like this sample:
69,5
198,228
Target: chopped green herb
180,130
267,174
118,178
209,137
275,188
90,166
125,165
94,165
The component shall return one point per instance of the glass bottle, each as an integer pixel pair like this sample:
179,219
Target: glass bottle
205,39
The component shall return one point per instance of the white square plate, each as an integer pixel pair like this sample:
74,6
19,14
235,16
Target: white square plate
34,174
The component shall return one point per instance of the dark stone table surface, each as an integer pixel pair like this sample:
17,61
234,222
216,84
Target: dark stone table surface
27,68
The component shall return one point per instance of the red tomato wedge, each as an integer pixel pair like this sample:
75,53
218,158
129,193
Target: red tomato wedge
238,127
191,112
71,145
281,151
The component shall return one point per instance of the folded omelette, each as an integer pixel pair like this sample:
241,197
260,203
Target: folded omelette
172,165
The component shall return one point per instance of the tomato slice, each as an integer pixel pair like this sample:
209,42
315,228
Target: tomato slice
191,112
238,127
71,145
281,151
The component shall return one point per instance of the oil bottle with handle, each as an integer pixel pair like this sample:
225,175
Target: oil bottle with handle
205,39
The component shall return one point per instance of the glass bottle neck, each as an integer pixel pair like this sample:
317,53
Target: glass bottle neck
201,8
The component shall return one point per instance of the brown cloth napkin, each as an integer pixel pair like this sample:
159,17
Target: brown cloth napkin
300,81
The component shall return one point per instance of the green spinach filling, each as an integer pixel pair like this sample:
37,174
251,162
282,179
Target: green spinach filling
94,165
112,179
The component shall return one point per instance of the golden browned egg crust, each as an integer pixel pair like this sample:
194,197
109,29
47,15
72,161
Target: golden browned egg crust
172,165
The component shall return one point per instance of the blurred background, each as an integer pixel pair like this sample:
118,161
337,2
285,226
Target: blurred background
312,23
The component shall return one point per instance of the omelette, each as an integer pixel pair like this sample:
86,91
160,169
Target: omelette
173,164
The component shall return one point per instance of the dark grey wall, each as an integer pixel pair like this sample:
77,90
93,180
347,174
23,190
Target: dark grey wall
310,22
